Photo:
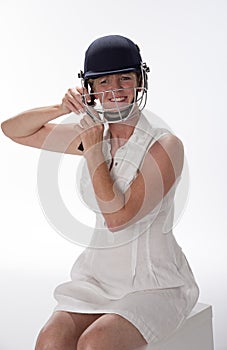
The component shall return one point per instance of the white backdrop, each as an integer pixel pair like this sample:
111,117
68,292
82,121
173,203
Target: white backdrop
42,50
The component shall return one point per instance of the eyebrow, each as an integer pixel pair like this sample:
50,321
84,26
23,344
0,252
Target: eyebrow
119,74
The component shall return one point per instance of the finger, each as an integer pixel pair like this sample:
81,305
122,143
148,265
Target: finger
84,93
79,130
70,106
95,115
81,90
84,124
89,120
75,99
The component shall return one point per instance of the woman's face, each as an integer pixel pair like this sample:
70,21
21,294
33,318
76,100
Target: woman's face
116,88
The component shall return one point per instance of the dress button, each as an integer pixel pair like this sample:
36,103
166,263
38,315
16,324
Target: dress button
116,163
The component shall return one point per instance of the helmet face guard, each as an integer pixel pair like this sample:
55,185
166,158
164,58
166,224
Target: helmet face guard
115,111
113,54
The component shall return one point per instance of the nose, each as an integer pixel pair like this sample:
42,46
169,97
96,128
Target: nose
115,83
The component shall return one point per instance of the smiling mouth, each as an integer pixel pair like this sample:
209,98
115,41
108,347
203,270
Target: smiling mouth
118,99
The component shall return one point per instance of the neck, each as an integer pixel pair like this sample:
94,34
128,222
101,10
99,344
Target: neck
123,130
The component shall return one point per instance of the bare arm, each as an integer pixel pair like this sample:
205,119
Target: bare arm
33,127
29,122
161,167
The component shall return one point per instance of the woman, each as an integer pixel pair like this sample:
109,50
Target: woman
132,285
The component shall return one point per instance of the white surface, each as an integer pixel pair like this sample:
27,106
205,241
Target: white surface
196,333
42,48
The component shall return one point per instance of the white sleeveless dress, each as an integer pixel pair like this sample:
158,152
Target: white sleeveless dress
139,272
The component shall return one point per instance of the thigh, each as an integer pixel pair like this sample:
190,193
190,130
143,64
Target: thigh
63,330
112,332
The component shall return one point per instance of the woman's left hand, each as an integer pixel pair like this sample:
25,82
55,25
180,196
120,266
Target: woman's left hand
91,134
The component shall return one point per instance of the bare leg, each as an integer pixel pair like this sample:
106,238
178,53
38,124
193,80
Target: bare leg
111,332
63,330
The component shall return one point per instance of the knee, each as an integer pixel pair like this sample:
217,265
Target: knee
90,340
45,341
57,334
98,335
51,338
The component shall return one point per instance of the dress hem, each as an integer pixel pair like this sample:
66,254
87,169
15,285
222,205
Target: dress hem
145,331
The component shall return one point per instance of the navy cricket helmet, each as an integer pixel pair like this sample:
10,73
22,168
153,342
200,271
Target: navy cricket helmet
111,54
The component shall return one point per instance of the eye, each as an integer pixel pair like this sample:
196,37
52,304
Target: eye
104,81
126,77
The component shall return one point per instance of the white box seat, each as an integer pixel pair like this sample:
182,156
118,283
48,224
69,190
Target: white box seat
195,334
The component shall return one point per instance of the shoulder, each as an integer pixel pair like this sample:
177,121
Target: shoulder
169,143
168,151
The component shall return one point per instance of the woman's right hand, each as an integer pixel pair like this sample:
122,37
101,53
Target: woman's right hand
33,127
72,101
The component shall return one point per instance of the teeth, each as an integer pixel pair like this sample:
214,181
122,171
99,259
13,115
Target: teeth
117,99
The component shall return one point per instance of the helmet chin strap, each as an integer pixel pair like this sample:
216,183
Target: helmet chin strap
126,114
112,117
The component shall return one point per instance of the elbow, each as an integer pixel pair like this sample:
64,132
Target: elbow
119,220
4,129
113,229
115,225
